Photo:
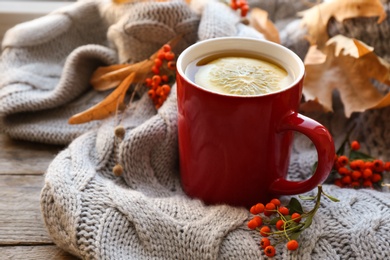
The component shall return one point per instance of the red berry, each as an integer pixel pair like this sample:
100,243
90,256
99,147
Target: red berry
269,209
269,251
367,184
378,165
171,65
284,211
166,89
155,70
264,242
151,94
296,217
169,56
344,171
367,173
279,224
376,177
356,175
346,180
338,183
165,78
357,165
252,224
276,202
292,245
387,166
257,209
158,62
355,184
265,231
166,48
342,160
355,145
148,82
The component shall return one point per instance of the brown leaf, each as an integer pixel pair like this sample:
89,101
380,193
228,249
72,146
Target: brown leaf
105,78
349,67
316,18
258,19
106,107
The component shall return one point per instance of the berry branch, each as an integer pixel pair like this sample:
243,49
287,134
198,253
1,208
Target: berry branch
288,224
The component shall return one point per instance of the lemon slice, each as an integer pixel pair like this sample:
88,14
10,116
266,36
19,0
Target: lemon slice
241,76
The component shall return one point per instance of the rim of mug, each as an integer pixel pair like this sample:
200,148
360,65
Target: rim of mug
299,67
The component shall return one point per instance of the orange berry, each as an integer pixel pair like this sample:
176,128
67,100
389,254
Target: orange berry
252,224
342,160
158,62
166,48
151,93
265,231
344,171
346,179
264,242
279,224
269,251
369,165
148,82
376,177
367,173
156,79
387,166
155,70
355,184
244,10
355,145
284,211
233,5
269,209
161,55
338,183
166,89
259,208
378,165
169,56
276,202
165,78
296,217
171,65
356,175
357,165
367,184
292,245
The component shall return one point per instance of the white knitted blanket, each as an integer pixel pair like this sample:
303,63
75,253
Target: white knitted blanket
45,67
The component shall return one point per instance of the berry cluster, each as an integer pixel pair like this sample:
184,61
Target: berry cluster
162,69
240,4
358,170
283,222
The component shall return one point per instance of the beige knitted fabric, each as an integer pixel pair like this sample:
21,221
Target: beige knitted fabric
144,214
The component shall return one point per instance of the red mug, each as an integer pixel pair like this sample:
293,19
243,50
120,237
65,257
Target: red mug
235,149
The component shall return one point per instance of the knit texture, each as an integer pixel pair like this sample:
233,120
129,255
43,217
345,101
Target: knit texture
144,214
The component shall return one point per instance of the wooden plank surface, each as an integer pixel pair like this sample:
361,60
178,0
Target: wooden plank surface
18,157
23,234
34,253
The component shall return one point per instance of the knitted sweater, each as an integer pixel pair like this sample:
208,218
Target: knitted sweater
45,67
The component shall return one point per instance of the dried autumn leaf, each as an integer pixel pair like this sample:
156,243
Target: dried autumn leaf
105,78
258,19
316,18
347,65
106,107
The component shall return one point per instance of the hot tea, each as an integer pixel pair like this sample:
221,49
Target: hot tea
238,74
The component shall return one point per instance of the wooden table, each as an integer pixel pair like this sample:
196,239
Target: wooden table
22,232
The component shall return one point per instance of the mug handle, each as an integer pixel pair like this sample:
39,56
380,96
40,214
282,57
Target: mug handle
324,144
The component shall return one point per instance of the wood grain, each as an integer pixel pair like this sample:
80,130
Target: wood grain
34,252
19,157
23,234
20,216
